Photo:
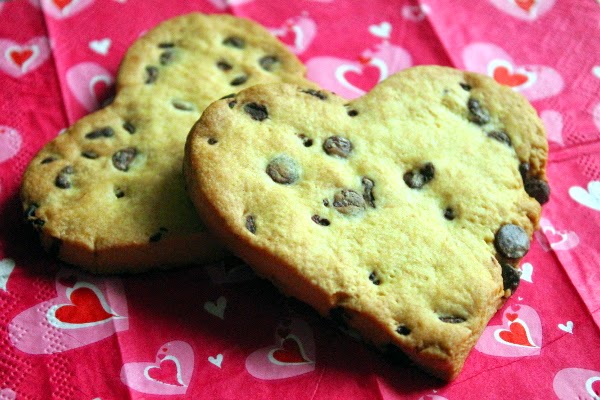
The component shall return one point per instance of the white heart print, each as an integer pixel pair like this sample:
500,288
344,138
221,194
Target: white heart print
216,361
590,197
567,327
101,46
217,308
383,30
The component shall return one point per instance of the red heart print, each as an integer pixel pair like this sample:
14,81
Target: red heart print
102,90
61,4
596,388
290,36
86,308
516,335
166,372
525,4
504,76
19,57
289,352
364,80
512,317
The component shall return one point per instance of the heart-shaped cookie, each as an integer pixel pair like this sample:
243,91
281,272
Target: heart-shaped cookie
108,194
402,213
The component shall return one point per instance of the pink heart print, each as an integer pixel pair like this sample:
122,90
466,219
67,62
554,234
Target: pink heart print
550,238
528,10
7,394
535,82
86,309
88,81
61,9
19,59
519,335
297,33
292,354
10,143
577,383
553,122
223,4
169,374
351,79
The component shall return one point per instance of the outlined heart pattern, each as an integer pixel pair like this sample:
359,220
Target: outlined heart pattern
89,82
352,79
577,383
550,238
85,310
590,197
292,354
169,374
7,266
527,10
19,59
519,335
10,143
297,33
535,82
61,9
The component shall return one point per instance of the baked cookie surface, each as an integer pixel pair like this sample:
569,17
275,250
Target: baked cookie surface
108,194
403,213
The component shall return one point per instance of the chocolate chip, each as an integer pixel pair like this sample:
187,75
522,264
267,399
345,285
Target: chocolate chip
212,141
316,93
258,112
151,74
465,86
538,189
268,63
129,127
251,224
166,57
368,186
500,136
38,223
224,65
29,212
166,45
403,330
92,155
449,214
348,202
62,180
524,170
48,160
283,169
119,193
229,96
352,113
338,146
511,241
235,41
232,104
239,80
416,179
305,140
321,221
122,159
477,113
373,278
183,105
452,320
326,202
105,132
155,237
510,277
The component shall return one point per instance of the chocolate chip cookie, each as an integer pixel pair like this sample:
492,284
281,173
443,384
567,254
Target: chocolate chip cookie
108,194
403,214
